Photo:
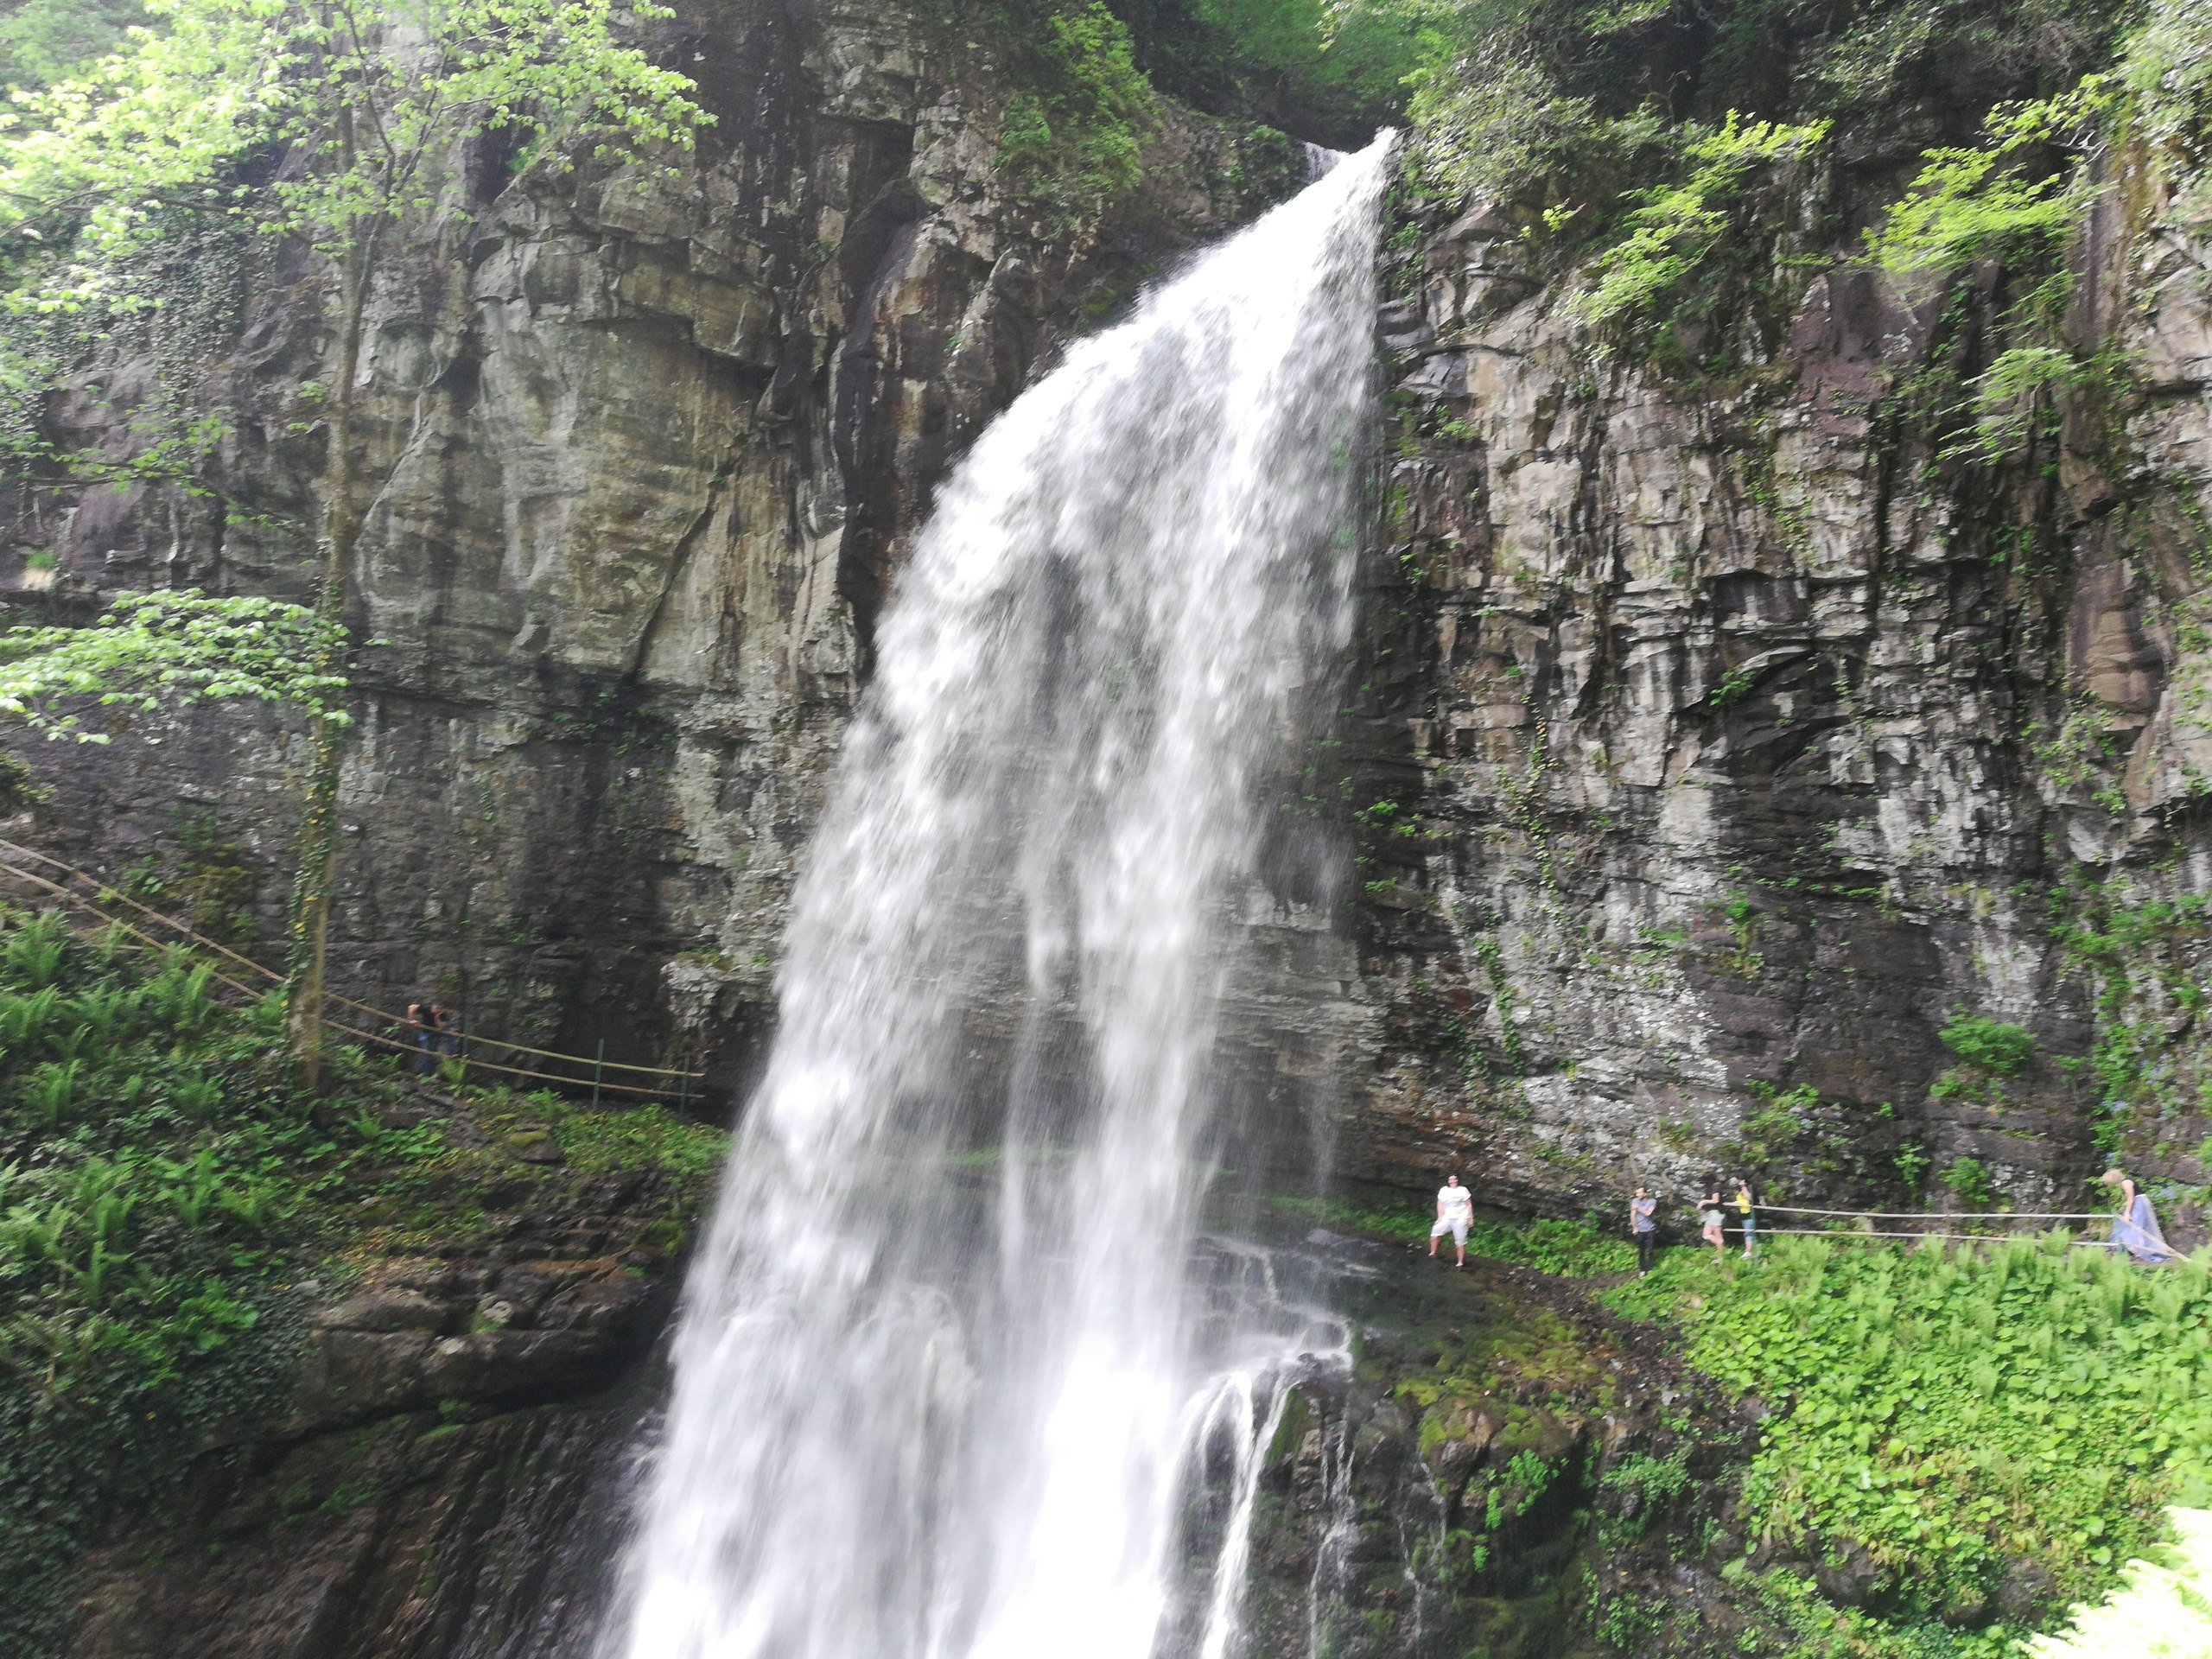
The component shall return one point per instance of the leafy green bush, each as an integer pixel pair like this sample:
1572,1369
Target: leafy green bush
1958,1415
1651,1480
2002,1050
1497,126
1072,133
1676,228
1995,199
43,41
2168,72
647,1138
158,1176
163,1183
1970,1179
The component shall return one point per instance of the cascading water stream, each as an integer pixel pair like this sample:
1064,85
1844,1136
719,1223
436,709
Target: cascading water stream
949,1343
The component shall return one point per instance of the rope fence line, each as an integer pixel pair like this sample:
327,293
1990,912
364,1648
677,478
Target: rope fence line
596,1082
1847,1233
1968,1218
110,894
67,896
1919,1215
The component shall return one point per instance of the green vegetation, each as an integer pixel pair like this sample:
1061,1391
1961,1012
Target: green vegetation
1989,1052
1731,688
1999,1049
1072,132
45,40
164,1183
1571,1248
165,650
1672,162
2136,955
157,141
1675,230
1770,1130
1333,72
1968,1179
1967,1419
1986,202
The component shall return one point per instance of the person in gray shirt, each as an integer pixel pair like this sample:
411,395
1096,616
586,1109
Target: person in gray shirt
1642,1229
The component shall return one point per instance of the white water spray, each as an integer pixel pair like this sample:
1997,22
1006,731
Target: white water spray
946,1350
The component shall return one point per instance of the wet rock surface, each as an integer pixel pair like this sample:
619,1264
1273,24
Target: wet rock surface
1717,740
446,1476
1501,1462
419,1537
643,455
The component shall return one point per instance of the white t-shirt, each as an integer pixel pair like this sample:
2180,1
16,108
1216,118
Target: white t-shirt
1456,1200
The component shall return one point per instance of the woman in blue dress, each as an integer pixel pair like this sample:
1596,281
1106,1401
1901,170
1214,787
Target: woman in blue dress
2135,1229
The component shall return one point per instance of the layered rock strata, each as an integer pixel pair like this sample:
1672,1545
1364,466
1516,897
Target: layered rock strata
1718,743
644,452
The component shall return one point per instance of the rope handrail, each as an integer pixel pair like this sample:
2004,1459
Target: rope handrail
64,893
108,891
404,1047
1855,1232
1928,1215
251,995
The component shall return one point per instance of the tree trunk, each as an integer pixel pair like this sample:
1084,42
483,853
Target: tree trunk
318,868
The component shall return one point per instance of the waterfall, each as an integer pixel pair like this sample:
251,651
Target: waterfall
947,1344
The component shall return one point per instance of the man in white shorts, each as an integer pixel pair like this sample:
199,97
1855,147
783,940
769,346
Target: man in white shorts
1455,1210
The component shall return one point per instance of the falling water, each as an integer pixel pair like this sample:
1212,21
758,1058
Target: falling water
949,1344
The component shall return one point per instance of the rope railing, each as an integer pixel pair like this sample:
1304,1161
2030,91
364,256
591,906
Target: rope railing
111,894
62,893
1982,1218
598,1064
1920,1215
1846,1234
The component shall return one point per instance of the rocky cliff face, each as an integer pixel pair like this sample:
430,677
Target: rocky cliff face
1719,742
442,1487
649,449
1714,744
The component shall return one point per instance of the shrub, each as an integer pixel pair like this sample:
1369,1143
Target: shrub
1957,1412
2000,1049
1677,227
165,1181
1970,1179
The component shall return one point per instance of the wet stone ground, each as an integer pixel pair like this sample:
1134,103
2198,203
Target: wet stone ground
1497,1466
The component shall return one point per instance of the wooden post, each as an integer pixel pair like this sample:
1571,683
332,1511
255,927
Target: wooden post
598,1065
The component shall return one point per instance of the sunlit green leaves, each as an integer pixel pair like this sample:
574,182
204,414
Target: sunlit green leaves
164,650
1969,204
364,97
1677,227
1951,1414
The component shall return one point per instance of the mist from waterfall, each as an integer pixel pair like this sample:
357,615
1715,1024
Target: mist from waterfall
952,1351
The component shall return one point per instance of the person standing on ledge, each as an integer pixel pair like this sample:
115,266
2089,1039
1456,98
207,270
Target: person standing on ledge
1642,1228
1751,1215
2135,1229
1455,1213
1709,1217
432,1020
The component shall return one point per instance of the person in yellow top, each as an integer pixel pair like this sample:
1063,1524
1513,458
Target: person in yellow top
1750,1217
